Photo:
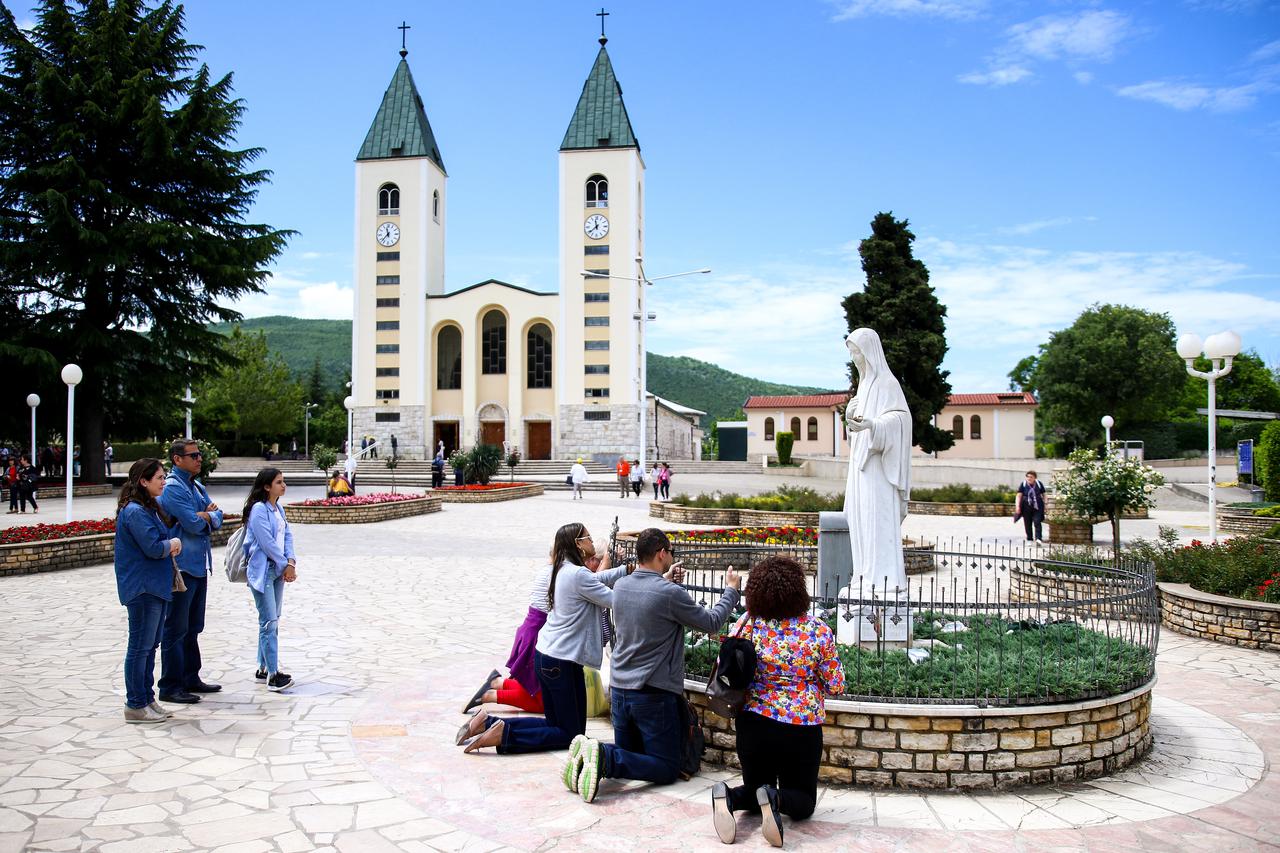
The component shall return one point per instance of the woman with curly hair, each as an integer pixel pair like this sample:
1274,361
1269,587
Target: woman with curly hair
780,726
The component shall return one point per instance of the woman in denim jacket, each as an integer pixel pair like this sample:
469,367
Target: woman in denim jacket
145,546
270,564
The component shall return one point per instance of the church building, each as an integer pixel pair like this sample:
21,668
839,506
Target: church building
554,374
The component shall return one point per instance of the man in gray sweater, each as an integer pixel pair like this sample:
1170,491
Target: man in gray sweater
650,615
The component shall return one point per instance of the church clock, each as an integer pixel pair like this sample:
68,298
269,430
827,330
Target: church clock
388,234
596,226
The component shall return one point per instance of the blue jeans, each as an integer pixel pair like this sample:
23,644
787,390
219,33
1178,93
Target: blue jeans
180,644
269,605
564,701
146,618
646,736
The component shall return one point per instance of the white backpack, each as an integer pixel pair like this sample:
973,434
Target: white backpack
237,567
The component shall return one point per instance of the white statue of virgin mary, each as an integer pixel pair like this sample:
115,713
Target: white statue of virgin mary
875,501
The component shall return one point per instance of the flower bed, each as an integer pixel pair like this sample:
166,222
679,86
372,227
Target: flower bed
798,543
358,500
360,509
479,487
50,532
489,493
786,535
52,547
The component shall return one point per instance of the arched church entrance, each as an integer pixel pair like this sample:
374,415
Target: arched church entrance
493,424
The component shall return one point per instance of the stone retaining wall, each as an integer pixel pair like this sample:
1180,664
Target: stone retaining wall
1073,533
77,551
365,514
678,514
1234,621
50,492
487,496
964,748
968,510
1244,522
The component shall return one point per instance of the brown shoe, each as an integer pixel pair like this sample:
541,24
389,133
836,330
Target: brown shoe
491,736
471,727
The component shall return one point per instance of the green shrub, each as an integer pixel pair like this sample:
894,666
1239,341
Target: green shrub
208,458
132,451
963,493
324,456
782,499
483,462
1236,567
1273,533
784,442
1266,460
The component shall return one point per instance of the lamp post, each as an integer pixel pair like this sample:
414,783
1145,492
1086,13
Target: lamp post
71,375
1220,349
1107,423
33,400
188,402
349,403
643,318
306,429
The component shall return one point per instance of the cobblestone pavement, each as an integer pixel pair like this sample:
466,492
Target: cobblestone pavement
389,628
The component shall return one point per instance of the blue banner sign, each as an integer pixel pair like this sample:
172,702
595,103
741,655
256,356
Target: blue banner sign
1244,457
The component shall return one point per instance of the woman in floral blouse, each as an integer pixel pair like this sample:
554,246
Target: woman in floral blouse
780,727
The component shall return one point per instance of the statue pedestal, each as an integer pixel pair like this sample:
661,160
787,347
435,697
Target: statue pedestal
875,624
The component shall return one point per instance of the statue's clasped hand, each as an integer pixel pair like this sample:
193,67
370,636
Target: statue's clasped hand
857,424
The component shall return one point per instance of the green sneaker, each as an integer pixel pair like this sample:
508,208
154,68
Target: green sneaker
573,764
592,770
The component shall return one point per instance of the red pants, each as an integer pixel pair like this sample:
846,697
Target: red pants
511,693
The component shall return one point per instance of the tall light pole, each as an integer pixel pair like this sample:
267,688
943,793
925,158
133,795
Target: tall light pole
306,429
1220,349
1107,423
33,400
643,318
188,402
71,375
349,403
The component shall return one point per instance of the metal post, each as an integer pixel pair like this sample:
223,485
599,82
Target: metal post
69,453
1213,452
306,433
189,400
33,400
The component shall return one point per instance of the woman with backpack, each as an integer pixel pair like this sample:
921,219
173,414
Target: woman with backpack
270,564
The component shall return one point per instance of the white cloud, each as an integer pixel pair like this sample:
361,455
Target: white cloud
1266,52
1084,78
1024,228
1092,35
996,76
294,297
953,9
1191,96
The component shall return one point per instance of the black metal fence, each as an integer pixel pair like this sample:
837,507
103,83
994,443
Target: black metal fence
986,625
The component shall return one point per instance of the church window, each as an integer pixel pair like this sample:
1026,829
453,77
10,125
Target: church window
597,345
389,303
795,428
493,343
975,427
597,273
597,369
389,200
539,356
387,417
768,429
597,321
449,359
596,416
597,191
435,205
388,279
957,427
388,256
387,371
388,325
596,250
387,394
597,297
597,392
388,349
813,430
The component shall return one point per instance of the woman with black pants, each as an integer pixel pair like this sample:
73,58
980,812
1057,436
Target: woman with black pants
780,726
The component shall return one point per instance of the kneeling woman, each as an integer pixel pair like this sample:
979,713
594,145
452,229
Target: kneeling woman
572,638
270,565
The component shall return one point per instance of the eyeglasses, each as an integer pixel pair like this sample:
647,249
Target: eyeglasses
195,455
580,538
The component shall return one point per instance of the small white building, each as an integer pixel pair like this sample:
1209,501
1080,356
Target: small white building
814,420
989,426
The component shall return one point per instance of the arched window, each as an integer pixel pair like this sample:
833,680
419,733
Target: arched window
975,427
795,428
813,429
435,205
957,427
538,358
449,359
597,191
493,343
389,200
768,429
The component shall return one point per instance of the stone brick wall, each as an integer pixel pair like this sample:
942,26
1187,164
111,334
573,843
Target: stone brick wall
601,441
1073,533
958,748
1034,585
1244,522
678,514
48,492
366,514
968,510
77,551
487,496
1234,621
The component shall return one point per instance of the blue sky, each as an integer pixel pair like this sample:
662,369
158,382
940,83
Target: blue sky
1048,155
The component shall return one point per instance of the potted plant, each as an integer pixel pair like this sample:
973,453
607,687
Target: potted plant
513,459
483,462
458,461
391,464
324,457
1106,487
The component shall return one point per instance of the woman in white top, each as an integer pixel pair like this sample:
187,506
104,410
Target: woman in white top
270,564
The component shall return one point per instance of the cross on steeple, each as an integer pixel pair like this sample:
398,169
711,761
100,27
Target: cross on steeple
602,14
404,51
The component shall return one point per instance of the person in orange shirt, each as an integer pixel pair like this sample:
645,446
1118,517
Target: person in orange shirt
624,476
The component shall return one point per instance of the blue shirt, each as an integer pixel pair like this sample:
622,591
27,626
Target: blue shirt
182,498
142,554
266,559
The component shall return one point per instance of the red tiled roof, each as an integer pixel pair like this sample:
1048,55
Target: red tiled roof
1005,398
809,401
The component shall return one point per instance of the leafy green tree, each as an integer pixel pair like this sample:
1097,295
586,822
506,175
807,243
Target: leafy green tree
1113,360
899,304
324,457
1250,386
1023,375
122,206
1105,487
1266,462
255,388
315,383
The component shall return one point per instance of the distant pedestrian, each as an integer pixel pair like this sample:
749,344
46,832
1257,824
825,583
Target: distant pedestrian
577,476
75,458
373,447
108,454
653,478
1029,506
437,467
637,477
11,483
623,470
293,449
395,447
28,479
350,466
271,564
664,481
47,461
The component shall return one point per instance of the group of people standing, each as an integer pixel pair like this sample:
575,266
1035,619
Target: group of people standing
21,478
565,633
631,478
163,558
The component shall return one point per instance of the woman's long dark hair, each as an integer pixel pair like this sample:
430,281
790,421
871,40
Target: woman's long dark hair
258,494
565,548
134,492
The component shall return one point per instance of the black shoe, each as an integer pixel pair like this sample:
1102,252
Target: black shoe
771,819
721,817
261,675
478,699
279,681
203,687
182,697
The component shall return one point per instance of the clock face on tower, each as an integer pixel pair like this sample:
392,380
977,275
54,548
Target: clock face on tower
388,234
596,226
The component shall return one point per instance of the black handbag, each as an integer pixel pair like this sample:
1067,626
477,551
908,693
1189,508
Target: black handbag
731,677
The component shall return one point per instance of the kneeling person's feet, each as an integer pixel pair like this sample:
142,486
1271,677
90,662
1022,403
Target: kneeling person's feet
725,824
592,770
573,764
771,825
279,681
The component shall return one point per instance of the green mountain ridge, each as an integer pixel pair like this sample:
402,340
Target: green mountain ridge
698,384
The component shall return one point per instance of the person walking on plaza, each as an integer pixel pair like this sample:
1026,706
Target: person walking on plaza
145,548
1029,506
28,481
437,467
577,476
636,476
664,480
373,447
650,614
571,639
11,483
623,470
188,504
271,563
293,448
47,461
780,727
108,454
395,447
654,480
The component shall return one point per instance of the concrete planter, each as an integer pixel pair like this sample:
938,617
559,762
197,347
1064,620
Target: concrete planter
1069,532
1233,621
361,514
1244,522
967,510
487,496
78,551
678,514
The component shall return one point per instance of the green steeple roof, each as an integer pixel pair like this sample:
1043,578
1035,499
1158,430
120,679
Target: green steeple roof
401,129
600,120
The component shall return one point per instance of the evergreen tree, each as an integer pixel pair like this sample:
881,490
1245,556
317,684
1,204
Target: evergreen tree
122,207
899,304
315,385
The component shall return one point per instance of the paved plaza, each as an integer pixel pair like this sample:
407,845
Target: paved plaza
391,626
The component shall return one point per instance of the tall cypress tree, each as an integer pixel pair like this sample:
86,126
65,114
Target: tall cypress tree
122,207
899,304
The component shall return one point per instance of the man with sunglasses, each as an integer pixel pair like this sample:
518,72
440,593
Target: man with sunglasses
188,504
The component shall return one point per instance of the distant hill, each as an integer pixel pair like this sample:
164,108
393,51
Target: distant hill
681,379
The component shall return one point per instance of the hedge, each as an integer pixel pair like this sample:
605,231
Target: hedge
1266,461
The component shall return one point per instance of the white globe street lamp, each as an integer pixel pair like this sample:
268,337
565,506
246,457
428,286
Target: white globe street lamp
1107,423
1220,349
71,375
33,400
